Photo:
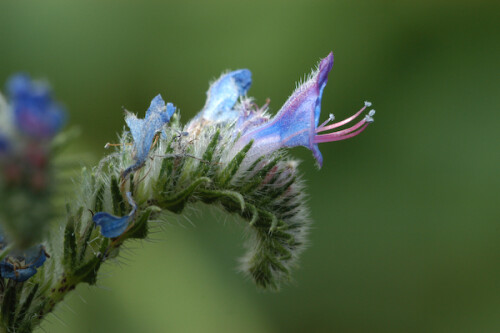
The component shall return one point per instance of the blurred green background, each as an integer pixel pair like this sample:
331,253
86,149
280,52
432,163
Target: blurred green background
406,216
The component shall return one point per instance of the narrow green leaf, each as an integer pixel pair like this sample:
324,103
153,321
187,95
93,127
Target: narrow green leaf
259,177
255,214
228,173
88,271
261,272
254,164
84,240
204,167
268,221
176,203
118,204
9,302
70,243
99,199
166,164
26,305
139,230
78,221
223,195
276,191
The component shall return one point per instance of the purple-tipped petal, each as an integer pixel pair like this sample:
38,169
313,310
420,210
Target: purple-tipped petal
325,66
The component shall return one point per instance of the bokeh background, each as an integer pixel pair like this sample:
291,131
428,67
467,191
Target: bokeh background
406,216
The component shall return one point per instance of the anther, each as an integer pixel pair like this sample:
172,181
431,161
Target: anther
368,104
330,118
369,116
107,145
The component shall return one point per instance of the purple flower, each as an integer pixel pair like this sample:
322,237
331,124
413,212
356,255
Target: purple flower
221,98
296,124
36,114
113,226
21,268
144,130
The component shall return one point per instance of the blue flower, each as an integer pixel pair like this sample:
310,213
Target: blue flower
222,96
36,114
296,124
144,130
113,226
21,268
4,144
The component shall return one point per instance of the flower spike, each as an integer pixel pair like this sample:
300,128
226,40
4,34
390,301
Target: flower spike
232,156
113,226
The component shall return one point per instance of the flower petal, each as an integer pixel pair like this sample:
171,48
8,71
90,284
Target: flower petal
113,226
25,266
144,130
8,271
37,256
222,96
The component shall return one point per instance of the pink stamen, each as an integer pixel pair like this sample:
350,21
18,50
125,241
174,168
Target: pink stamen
344,131
324,123
335,137
323,128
